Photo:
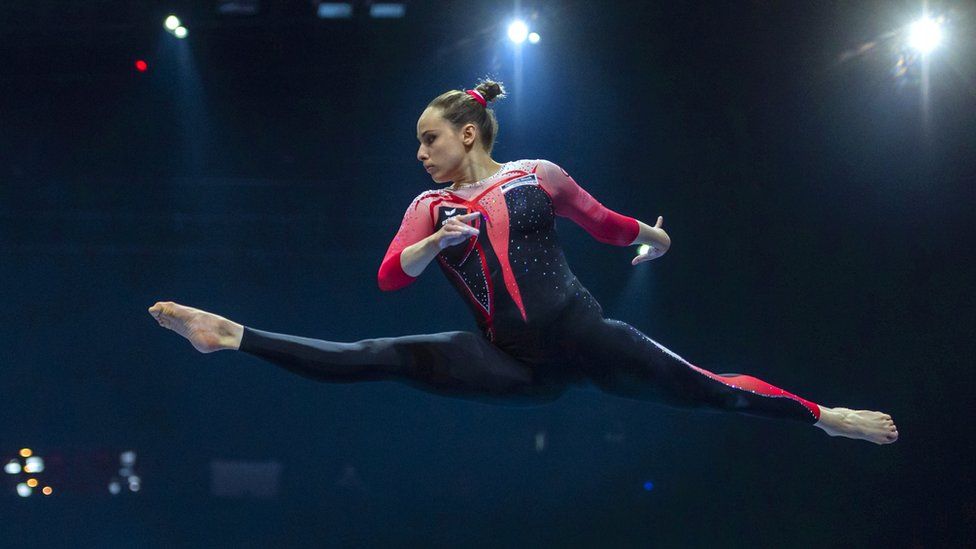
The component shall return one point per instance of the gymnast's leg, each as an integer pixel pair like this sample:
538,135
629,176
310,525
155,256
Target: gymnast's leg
621,360
455,364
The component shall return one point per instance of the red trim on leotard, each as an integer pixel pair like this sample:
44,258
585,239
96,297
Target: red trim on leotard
759,387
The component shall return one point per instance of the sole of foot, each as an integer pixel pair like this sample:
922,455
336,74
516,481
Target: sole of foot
207,332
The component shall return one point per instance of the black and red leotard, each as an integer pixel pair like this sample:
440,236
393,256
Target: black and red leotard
541,329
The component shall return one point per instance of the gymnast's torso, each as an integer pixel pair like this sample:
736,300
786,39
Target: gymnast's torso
513,275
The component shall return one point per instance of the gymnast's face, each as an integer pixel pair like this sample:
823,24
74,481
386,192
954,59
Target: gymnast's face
443,148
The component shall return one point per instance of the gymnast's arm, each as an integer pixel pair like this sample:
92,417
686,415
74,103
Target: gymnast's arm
416,244
572,201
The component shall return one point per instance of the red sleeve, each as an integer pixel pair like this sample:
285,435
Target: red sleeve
416,226
572,201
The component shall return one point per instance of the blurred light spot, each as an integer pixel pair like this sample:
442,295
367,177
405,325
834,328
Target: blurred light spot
141,65
23,490
34,464
335,10
127,458
518,31
925,34
648,486
114,487
12,467
180,32
172,23
643,249
32,482
534,37
47,490
387,11
25,452
238,7
540,441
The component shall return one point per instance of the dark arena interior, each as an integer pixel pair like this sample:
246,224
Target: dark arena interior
802,174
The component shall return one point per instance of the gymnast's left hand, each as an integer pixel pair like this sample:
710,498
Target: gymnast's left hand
655,237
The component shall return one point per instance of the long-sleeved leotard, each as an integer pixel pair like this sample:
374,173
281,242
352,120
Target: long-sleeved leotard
542,330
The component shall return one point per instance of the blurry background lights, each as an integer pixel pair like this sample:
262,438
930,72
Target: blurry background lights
34,465
141,65
32,482
925,34
517,32
172,23
648,486
334,10
534,37
387,10
12,467
23,490
180,32
26,452
47,490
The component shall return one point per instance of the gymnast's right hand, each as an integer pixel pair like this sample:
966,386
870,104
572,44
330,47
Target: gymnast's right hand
456,230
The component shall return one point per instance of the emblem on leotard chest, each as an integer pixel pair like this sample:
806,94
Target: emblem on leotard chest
530,179
446,212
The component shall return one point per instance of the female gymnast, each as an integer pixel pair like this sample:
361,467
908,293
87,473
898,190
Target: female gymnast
492,232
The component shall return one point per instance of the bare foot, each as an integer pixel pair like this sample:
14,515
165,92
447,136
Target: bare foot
206,331
876,427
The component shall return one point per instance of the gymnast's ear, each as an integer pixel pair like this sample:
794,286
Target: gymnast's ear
469,134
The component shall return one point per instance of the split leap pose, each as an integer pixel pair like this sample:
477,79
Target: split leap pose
492,232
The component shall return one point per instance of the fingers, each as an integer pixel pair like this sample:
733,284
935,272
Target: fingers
457,224
660,222
468,216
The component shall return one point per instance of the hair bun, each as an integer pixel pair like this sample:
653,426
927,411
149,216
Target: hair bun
490,90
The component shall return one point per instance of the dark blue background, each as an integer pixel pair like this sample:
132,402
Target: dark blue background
820,213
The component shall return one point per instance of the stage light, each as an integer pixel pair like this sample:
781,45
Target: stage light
534,37
180,32
12,467
924,35
47,490
643,249
25,452
32,482
172,23
387,11
141,65
518,31
335,10
23,490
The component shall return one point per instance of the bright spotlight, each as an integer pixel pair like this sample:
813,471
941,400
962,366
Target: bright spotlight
534,37
518,32
924,35
180,32
172,23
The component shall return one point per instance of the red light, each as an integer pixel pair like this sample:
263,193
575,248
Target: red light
141,65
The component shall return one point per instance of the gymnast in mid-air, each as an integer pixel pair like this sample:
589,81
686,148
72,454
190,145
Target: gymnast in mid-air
492,232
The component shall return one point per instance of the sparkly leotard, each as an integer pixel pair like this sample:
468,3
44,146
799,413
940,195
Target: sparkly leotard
541,329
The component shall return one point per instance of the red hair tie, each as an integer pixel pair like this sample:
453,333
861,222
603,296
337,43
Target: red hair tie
477,97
